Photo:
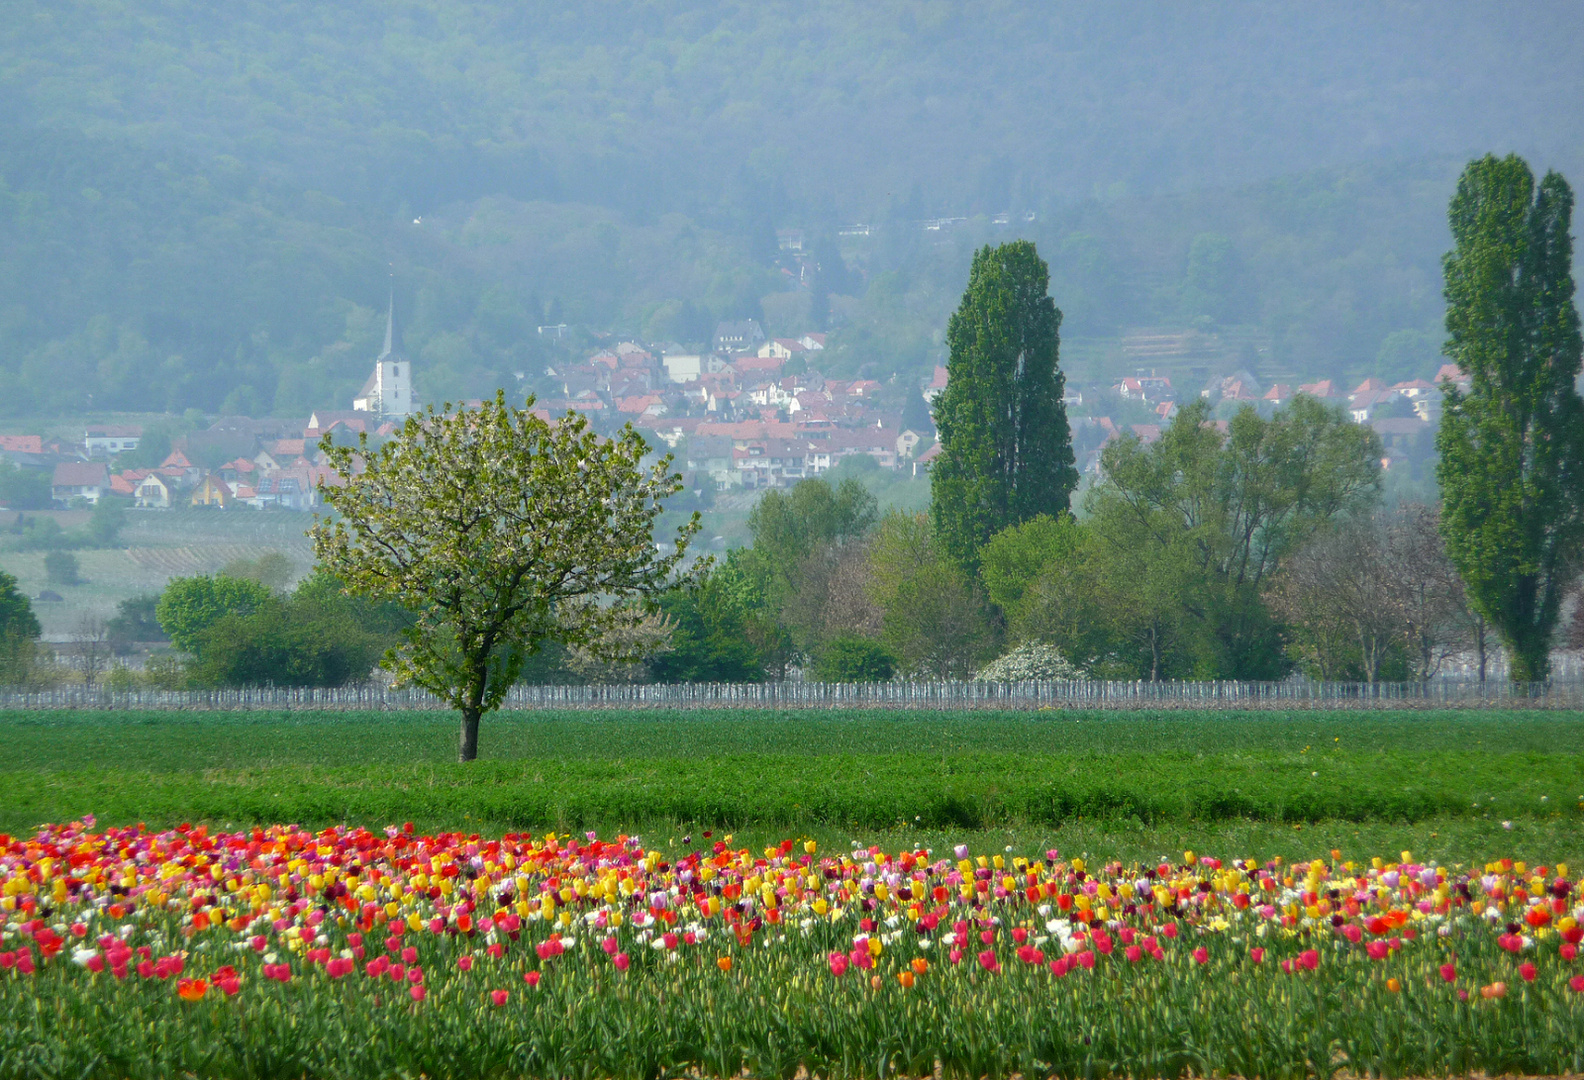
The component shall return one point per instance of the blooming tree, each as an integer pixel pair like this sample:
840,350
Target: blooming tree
502,531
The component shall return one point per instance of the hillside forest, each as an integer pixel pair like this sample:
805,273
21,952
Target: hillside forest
205,207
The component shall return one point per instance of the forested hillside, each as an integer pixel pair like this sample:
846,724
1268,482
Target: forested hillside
201,205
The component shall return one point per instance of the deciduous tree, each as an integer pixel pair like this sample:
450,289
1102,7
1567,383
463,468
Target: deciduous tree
1194,523
501,531
190,606
1512,447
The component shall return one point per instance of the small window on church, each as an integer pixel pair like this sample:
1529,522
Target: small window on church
395,371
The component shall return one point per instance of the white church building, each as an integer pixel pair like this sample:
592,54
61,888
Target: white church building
388,392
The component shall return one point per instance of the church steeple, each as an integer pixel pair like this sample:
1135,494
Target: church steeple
388,391
393,342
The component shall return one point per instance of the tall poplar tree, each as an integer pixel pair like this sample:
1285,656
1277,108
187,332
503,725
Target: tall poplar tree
1512,447
1006,451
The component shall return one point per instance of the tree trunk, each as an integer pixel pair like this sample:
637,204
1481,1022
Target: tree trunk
1480,645
469,747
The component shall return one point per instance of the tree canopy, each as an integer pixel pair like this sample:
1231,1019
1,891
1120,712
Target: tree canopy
500,531
1512,447
190,606
1006,451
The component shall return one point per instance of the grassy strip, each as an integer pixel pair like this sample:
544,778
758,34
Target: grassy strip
778,772
964,791
165,741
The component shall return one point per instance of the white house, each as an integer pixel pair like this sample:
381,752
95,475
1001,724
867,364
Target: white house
108,439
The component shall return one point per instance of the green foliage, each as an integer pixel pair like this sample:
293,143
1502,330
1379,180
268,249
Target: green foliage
60,568
711,640
24,489
104,524
933,622
1015,557
382,617
1211,281
500,531
1006,452
295,642
39,534
272,570
102,530
311,175
190,606
1512,448
19,629
1191,526
851,659
789,527
135,621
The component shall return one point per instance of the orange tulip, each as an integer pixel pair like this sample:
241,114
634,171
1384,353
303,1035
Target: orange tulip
1393,985
724,963
920,965
192,989
905,978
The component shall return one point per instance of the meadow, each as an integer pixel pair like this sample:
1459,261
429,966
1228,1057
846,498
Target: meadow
829,894
1455,784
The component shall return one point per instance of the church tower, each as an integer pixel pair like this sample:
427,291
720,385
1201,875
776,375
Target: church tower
388,391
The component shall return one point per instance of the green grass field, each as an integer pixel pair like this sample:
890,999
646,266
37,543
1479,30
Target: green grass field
1453,786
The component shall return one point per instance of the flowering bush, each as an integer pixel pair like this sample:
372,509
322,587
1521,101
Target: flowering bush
287,952
1030,662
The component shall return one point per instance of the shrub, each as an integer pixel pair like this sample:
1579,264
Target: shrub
849,658
135,622
60,568
285,643
1030,662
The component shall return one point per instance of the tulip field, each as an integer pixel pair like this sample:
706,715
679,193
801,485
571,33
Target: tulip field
832,896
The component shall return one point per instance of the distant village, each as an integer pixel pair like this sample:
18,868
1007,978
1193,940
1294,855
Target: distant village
752,413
